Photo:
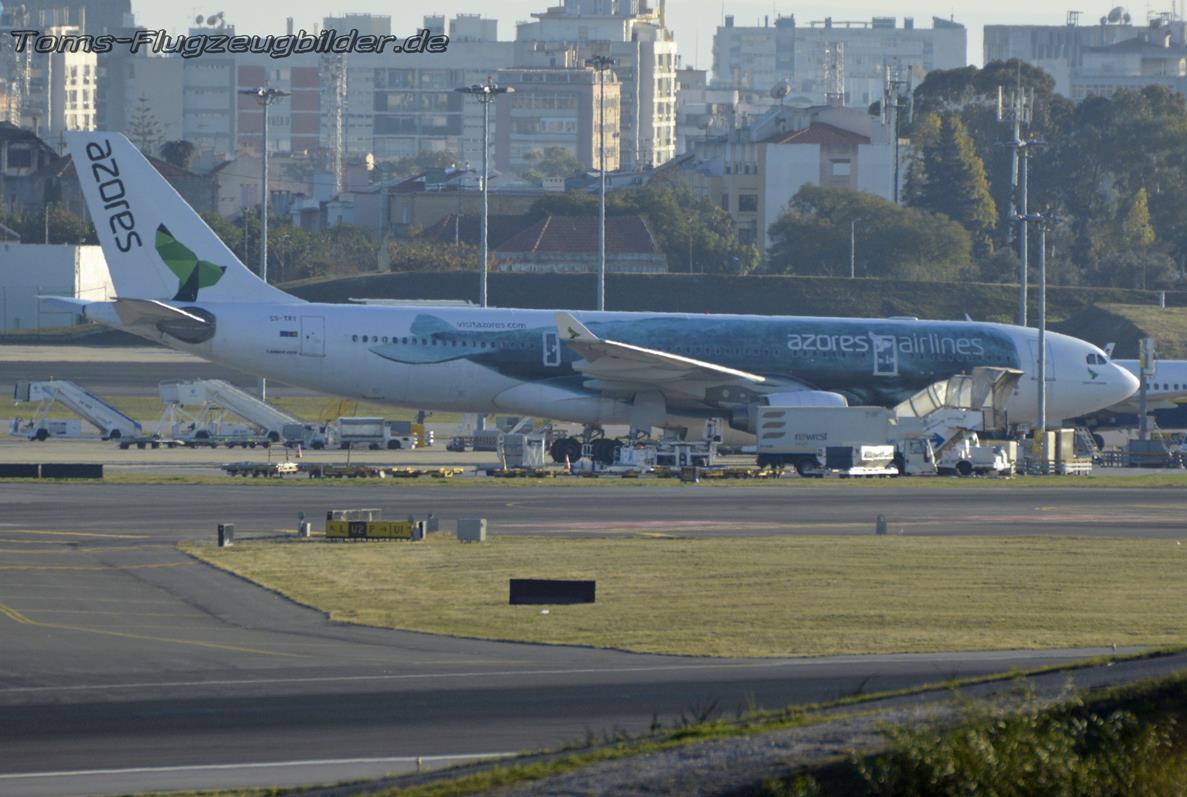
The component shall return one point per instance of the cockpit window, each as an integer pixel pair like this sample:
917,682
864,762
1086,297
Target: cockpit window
1096,359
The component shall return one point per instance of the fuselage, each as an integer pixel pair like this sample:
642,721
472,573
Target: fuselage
514,361
1165,389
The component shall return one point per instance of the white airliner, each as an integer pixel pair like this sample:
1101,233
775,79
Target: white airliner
1165,390
177,283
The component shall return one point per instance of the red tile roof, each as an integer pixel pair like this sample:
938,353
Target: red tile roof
820,133
579,235
468,228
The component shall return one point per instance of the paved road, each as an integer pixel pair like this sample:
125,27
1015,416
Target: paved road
174,512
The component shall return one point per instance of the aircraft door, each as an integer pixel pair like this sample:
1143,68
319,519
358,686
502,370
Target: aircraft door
885,355
1034,361
552,349
313,336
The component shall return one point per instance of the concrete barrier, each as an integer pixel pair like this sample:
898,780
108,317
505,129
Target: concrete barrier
471,529
70,470
526,591
354,514
20,471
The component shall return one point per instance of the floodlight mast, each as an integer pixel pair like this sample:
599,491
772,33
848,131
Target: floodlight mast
265,96
601,63
484,93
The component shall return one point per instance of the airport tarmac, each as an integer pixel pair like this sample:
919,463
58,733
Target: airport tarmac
127,666
171,512
122,654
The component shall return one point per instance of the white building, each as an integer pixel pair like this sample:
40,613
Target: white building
1064,51
754,172
834,56
61,91
644,51
1152,57
31,270
556,108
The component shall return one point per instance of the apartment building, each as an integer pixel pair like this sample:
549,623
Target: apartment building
753,172
556,108
644,52
847,58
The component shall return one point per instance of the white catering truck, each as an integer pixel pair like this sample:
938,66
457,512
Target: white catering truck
933,432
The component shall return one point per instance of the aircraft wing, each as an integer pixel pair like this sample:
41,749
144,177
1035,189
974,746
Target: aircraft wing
614,361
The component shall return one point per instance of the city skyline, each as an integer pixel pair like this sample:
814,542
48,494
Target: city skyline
694,23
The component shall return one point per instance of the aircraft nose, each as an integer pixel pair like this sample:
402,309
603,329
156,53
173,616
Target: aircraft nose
1125,383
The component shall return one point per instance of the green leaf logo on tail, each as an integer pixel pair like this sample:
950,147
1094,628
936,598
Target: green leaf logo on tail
573,333
191,272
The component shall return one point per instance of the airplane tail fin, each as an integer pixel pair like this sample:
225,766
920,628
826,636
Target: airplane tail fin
156,245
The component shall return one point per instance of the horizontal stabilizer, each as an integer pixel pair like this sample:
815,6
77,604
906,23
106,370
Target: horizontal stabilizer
67,303
151,311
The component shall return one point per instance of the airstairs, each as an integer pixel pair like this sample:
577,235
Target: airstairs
964,402
204,402
110,422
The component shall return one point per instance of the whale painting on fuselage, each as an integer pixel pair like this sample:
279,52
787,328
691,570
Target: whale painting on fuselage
866,361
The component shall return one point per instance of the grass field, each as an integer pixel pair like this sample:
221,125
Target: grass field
756,596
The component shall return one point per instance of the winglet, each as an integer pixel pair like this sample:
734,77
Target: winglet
570,329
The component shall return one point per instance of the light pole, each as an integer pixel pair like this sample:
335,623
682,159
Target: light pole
1042,221
853,249
485,93
1018,112
265,96
601,63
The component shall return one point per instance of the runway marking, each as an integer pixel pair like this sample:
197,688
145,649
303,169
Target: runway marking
407,759
8,566
16,616
983,656
66,547
104,535
126,614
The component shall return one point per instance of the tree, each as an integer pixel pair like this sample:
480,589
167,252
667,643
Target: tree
52,224
144,129
413,255
951,180
695,235
1135,227
179,153
552,162
812,238
422,161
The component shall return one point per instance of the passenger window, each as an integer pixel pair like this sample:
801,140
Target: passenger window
355,338
403,340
